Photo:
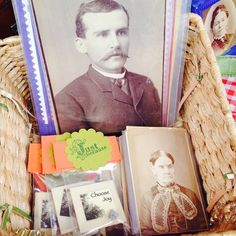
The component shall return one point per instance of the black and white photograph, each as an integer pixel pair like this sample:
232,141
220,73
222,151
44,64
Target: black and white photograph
45,215
91,211
97,206
64,209
44,212
66,206
104,61
164,193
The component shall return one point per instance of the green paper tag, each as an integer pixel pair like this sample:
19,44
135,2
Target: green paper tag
63,137
88,149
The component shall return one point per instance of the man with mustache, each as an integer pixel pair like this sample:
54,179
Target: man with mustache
108,97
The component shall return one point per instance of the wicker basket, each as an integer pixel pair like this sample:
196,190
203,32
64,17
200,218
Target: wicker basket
15,182
205,113
207,116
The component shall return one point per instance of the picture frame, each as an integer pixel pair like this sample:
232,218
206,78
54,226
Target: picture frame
147,186
51,55
97,206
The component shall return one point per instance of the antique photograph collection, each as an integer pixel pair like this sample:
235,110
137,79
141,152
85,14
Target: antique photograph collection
116,67
82,208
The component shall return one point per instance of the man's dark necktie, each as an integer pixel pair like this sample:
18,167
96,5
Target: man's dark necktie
122,83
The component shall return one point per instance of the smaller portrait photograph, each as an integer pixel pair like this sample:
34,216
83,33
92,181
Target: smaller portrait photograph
44,212
66,201
220,23
163,187
64,209
97,206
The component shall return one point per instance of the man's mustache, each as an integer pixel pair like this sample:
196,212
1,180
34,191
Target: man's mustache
113,54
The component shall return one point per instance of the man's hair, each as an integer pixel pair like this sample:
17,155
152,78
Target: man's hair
157,154
217,10
95,6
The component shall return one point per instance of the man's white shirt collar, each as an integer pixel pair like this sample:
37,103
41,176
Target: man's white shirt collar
110,75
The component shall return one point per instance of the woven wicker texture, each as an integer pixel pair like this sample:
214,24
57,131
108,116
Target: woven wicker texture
206,115
15,182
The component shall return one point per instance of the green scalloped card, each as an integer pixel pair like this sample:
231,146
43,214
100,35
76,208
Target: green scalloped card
88,149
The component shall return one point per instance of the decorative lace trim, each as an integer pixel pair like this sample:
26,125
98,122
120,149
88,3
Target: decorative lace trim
160,207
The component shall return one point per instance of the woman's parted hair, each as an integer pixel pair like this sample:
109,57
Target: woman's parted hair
157,154
216,12
95,6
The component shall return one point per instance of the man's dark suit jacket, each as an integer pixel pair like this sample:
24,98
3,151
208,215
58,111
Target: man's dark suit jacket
94,101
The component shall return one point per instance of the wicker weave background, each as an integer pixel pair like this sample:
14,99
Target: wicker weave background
15,182
206,115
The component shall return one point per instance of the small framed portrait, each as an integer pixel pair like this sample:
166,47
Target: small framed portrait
97,206
99,64
44,212
163,189
220,21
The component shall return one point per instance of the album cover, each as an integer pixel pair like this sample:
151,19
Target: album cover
163,187
97,206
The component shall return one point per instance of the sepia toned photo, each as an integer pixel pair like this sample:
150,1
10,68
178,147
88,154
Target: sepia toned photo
220,22
163,181
97,206
104,62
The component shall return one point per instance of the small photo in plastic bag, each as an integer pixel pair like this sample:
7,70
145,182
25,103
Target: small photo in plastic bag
97,206
44,212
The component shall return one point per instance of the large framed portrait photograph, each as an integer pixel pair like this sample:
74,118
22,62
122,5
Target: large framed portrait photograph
102,61
163,187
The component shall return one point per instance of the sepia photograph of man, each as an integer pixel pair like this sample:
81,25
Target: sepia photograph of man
107,97
120,82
